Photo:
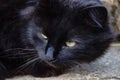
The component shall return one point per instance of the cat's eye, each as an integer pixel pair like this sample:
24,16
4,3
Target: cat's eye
70,44
44,36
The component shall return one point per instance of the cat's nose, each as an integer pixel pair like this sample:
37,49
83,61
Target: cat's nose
50,53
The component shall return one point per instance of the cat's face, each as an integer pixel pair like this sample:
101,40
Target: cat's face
64,34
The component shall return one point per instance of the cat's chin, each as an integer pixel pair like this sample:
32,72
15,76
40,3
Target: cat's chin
60,64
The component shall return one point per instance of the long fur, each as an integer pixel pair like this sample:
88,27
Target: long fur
23,50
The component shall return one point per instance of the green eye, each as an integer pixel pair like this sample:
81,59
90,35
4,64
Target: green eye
44,36
70,44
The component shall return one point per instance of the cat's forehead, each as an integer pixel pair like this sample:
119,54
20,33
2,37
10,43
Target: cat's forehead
62,31
75,3
60,9
58,16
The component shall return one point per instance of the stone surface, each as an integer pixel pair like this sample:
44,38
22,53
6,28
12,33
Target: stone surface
105,68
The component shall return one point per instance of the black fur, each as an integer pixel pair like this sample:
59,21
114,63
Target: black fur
24,52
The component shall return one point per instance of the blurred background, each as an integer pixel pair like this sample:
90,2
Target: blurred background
113,7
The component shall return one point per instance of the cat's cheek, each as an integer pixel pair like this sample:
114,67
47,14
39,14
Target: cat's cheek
41,50
63,55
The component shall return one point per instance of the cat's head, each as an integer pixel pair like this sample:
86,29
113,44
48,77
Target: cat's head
65,32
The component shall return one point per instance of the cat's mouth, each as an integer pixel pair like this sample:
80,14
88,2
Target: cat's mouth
52,61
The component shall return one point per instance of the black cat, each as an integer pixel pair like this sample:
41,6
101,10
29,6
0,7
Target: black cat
42,38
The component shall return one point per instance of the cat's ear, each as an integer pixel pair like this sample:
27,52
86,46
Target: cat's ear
97,16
